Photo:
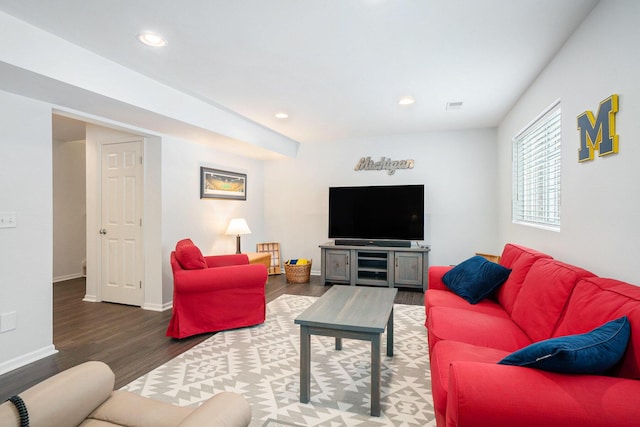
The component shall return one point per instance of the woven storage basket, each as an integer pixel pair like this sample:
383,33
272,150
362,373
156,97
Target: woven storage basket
297,273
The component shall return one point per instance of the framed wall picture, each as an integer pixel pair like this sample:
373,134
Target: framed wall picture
219,184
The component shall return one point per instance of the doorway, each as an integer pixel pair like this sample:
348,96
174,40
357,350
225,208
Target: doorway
69,198
107,242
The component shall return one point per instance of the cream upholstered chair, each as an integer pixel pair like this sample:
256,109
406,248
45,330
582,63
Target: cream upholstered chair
84,396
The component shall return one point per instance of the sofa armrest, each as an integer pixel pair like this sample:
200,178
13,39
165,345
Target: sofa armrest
64,399
208,279
224,409
435,276
492,395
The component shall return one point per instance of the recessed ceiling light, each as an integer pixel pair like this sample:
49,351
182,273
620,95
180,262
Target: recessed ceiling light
281,115
152,39
406,100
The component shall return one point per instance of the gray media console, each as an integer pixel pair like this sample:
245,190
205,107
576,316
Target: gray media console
375,265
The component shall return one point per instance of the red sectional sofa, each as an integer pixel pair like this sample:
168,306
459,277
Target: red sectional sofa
541,299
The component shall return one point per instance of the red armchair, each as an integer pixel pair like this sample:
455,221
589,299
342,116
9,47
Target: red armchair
214,293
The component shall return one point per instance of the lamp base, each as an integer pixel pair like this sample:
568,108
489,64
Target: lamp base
238,244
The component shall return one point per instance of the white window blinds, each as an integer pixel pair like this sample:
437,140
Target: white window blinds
536,171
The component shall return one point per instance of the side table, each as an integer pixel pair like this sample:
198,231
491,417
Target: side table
259,258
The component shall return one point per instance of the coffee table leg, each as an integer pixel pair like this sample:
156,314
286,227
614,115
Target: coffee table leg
390,334
305,364
375,375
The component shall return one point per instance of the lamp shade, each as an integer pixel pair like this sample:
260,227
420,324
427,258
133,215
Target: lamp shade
238,226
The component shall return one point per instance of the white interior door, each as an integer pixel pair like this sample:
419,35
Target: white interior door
121,223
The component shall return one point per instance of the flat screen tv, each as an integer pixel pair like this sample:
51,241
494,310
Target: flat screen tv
388,215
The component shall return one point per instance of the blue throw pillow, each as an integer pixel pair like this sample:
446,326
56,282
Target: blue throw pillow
592,353
475,279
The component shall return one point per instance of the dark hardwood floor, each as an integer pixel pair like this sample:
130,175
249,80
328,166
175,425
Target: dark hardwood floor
130,340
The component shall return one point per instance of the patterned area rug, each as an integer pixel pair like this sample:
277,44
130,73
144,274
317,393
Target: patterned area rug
262,363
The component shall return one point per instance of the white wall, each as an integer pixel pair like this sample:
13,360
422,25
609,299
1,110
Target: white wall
458,170
69,209
600,199
25,251
185,215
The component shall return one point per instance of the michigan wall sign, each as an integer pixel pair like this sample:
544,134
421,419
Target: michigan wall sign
366,164
598,132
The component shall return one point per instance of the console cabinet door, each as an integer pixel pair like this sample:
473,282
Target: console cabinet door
408,268
337,265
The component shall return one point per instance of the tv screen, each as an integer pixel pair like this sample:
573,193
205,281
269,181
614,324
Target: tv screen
394,212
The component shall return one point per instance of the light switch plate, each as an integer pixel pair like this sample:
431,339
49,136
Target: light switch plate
8,321
8,220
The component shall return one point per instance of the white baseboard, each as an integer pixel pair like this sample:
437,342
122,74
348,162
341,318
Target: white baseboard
145,306
90,298
25,359
158,307
67,277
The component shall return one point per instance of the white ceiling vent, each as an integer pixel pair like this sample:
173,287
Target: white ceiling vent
454,105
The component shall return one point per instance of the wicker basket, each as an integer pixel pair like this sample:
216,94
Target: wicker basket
297,273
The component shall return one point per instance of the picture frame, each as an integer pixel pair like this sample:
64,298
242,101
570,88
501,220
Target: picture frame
221,184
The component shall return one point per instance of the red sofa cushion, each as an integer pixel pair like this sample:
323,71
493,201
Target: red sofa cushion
597,300
440,298
543,296
446,323
189,256
519,259
492,395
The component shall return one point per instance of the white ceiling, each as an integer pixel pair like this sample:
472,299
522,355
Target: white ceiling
337,67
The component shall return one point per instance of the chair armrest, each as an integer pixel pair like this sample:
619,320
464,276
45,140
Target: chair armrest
208,279
64,399
492,395
435,276
226,260
224,409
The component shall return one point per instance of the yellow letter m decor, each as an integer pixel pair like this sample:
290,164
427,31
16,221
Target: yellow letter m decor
598,133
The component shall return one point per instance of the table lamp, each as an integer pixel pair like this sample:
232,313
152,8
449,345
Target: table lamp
238,226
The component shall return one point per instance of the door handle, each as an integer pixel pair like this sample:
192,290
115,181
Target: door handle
103,231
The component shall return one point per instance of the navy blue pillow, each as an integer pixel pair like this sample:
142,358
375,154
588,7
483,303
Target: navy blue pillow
475,279
592,353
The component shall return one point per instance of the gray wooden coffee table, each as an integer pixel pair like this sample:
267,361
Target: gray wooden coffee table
348,312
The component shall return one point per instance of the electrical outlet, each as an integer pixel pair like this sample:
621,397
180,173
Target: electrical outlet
7,220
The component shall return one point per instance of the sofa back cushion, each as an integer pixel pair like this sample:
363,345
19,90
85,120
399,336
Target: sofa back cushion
543,297
189,256
519,259
597,300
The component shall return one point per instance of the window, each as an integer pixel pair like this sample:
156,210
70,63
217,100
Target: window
536,171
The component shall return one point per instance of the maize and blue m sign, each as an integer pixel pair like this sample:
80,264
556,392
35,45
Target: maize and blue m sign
598,133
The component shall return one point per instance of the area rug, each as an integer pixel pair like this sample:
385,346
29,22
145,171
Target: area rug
262,364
